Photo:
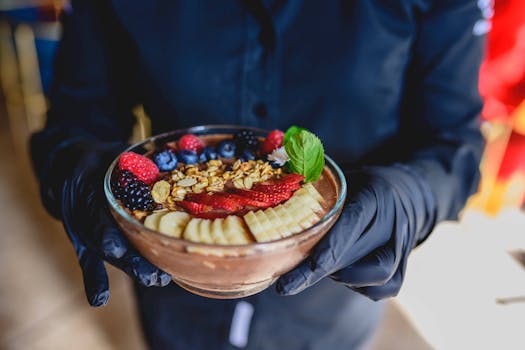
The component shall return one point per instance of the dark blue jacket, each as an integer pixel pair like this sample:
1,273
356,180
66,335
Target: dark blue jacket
378,81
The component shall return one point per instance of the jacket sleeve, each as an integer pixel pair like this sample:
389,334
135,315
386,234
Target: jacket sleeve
440,135
91,96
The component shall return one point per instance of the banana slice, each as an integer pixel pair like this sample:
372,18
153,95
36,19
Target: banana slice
217,233
280,226
270,232
173,223
313,192
305,216
235,231
205,231
307,199
152,221
256,227
191,232
289,222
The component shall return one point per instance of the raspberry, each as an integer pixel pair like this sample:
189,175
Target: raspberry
134,194
273,141
143,168
246,139
191,142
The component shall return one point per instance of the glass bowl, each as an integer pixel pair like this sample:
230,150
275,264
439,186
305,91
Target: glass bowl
223,271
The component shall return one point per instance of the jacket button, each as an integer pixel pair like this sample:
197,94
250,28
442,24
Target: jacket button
260,111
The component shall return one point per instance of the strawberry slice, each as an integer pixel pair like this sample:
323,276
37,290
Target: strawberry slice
212,215
244,201
269,198
214,201
193,207
291,178
278,187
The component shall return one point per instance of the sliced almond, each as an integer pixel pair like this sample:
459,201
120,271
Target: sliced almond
187,182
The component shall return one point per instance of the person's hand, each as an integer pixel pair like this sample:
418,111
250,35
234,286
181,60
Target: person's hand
388,211
88,222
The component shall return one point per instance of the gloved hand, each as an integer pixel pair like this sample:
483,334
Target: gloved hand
388,211
72,190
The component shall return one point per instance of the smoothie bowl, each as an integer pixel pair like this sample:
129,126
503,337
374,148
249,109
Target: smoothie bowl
225,210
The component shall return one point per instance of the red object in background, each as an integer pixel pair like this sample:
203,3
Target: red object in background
502,74
502,79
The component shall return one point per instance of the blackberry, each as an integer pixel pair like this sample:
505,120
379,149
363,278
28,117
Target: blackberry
246,139
134,194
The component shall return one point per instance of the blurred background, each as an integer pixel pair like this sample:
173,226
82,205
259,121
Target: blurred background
475,300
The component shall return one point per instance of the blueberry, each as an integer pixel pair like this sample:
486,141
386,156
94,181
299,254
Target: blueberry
188,157
166,160
226,149
274,164
246,155
208,153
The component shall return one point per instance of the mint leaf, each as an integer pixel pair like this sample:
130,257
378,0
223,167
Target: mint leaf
306,154
292,130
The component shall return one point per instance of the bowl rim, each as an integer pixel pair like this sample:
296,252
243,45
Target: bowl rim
114,204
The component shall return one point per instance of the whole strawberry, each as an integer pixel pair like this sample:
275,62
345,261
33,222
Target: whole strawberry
273,140
142,167
191,142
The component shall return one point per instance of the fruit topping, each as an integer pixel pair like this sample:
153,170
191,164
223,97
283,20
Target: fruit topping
278,187
269,198
214,214
194,207
188,157
226,149
247,154
142,167
134,194
208,153
244,201
273,140
166,160
246,139
191,142
291,178
214,201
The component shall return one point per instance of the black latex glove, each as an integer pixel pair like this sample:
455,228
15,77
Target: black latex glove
72,190
388,211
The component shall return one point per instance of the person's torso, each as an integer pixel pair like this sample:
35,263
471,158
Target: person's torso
335,67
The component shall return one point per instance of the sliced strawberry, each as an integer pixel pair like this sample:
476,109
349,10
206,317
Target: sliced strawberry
269,198
211,215
214,201
291,178
244,201
278,187
193,207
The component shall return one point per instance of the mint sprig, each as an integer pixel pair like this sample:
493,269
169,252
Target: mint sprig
306,153
292,130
